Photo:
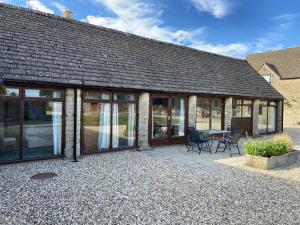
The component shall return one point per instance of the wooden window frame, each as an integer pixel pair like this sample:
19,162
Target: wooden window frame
268,105
22,100
111,101
210,99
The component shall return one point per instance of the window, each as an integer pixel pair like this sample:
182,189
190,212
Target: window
242,108
109,121
267,78
37,117
209,113
267,117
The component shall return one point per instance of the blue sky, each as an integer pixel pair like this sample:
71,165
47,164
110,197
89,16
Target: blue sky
229,27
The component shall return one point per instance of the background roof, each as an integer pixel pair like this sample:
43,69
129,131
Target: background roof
44,48
286,62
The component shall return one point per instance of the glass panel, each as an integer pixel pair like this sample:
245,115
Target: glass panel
159,118
124,125
271,119
246,111
11,92
96,126
247,102
272,103
203,113
237,111
42,130
97,95
238,101
43,93
263,119
216,114
124,97
178,117
9,130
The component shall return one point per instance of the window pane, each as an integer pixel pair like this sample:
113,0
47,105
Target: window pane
247,102
261,102
43,93
97,95
271,119
203,113
11,92
178,117
9,130
247,111
237,111
159,118
42,132
124,125
263,119
124,97
216,114
96,126
272,103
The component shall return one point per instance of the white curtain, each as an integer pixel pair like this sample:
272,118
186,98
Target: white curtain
57,127
131,124
182,117
104,126
115,138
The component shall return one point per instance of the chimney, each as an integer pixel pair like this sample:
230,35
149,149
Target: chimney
68,14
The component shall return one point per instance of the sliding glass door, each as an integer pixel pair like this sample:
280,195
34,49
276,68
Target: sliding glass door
167,119
267,117
108,121
31,123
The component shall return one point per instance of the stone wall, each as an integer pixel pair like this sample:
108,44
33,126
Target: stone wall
69,122
192,110
228,112
144,100
290,90
255,130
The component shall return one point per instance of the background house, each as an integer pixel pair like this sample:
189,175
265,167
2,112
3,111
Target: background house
282,70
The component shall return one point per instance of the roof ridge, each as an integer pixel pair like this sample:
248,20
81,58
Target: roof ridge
82,23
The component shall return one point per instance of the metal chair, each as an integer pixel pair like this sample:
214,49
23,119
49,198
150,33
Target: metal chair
196,139
230,142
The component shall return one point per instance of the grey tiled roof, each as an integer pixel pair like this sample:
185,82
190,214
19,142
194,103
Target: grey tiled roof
286,61
49,49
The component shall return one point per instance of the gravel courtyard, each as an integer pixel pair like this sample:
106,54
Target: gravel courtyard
138,188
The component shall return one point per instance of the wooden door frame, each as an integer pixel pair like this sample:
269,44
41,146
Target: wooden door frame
169,140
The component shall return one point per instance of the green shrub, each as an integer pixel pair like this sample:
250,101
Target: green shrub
266,148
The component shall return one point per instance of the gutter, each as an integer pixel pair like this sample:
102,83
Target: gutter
75,127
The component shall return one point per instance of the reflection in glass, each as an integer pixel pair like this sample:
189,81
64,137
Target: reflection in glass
10,92
42,130
216,114
9,130
96,95
271,119
124,97
203,113
159,118
96,126
124,125
178,117
246,111
263,119
43,93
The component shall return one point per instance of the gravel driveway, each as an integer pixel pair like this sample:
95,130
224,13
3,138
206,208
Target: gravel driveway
135,188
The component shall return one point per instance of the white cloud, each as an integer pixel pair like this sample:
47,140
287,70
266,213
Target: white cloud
4,1
238,50
60,7
142,19
37,5
217,8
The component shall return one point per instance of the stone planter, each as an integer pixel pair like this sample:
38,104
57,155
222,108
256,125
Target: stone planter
265,163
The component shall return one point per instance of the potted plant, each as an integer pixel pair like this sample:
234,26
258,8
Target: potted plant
269,154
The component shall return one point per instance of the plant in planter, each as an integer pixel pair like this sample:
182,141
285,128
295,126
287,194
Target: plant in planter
268,154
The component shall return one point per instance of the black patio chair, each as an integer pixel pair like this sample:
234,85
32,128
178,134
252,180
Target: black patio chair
197,139
232,132
230,142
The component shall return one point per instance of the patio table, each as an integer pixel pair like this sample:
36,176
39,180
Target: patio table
212,133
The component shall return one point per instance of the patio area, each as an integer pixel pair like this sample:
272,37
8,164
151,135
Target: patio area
162,186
